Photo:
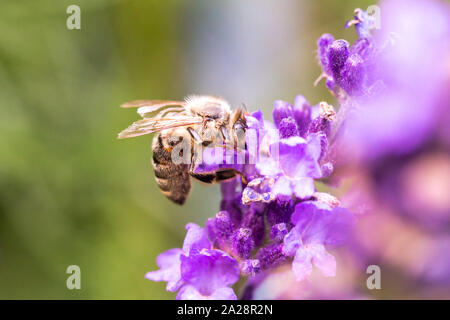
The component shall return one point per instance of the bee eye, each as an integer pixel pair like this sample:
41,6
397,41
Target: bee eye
206,143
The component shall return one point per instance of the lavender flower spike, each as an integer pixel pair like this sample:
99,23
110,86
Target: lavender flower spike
363,23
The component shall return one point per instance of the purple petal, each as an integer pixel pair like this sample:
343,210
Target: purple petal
209,270
303,187
281,110
224,293
291,154
282,186
195,240
314,150
188,292
299,157
258,115
319,223
191,293
301,266
169,263
268,166
291,242
323,260
302,114
168,258
323,45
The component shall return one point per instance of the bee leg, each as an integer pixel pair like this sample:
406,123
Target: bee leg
225,135
213,177
208,178
194,134
243,178
226,174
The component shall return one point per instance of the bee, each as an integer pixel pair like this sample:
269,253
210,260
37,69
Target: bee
202,120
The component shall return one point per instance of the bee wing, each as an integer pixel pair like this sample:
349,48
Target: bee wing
147,107
151,103
150,125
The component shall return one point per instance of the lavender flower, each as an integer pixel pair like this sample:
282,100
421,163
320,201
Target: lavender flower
197,271
208,275
296,167
169,261
291,161
169,264
363,23
316,225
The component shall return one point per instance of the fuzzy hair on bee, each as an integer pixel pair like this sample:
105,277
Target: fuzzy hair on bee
199,119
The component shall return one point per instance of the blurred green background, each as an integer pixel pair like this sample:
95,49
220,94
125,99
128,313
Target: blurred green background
70,193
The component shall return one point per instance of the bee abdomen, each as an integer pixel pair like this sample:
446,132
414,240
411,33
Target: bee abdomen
163,184
172,179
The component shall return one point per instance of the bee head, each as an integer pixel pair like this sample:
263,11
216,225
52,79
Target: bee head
238,121
208,107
